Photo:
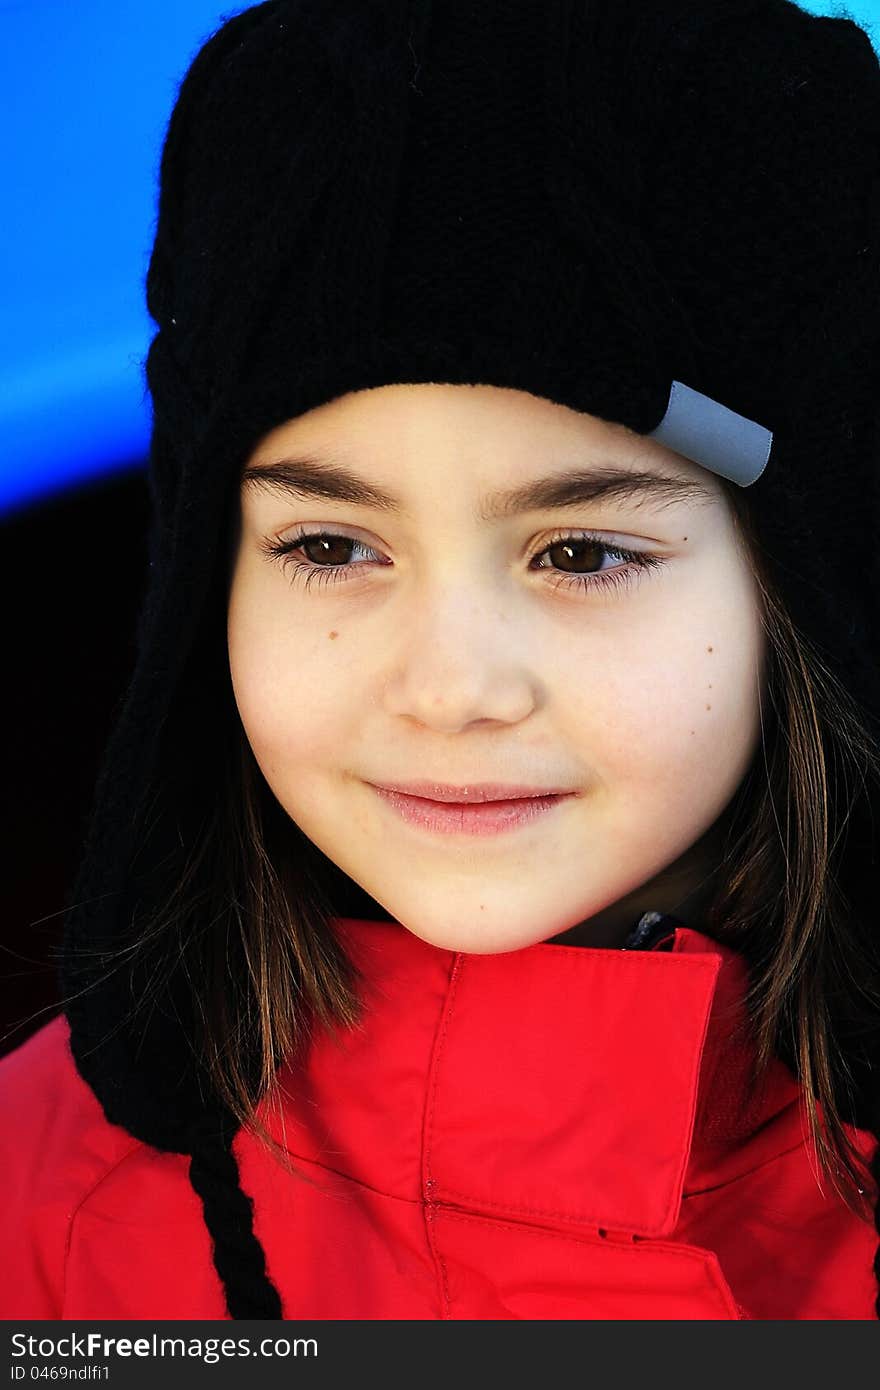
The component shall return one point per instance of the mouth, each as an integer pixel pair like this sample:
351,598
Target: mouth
472,792
477,817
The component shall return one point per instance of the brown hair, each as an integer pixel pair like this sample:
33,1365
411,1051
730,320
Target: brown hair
814,966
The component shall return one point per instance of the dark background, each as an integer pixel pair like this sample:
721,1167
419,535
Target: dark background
73,574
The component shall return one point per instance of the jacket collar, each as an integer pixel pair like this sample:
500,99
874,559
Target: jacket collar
568,1085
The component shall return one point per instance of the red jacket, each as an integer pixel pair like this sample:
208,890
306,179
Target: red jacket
550,1133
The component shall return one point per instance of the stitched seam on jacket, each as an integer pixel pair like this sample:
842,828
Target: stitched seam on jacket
564,1214
676,1185
137,1145
662,1245
737,1177
696,1252
428,1205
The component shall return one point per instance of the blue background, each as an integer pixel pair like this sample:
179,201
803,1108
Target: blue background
88,87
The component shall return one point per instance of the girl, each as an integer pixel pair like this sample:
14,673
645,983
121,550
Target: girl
476,918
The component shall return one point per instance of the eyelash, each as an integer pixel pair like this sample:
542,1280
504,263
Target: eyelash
308,573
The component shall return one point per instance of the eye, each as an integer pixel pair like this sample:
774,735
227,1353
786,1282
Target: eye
328,545
584,548
578,553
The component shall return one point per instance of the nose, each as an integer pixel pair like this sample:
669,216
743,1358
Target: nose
460,663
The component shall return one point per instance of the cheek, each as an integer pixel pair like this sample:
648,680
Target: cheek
290,681
673,702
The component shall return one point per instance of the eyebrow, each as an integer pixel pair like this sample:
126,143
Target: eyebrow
311,477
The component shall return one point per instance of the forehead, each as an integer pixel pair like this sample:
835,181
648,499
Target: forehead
463,418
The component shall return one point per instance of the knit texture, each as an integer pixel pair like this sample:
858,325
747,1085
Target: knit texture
586,201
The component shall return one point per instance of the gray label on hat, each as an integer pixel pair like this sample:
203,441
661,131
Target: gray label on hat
717,438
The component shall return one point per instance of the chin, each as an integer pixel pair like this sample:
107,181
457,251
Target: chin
470,943
474,938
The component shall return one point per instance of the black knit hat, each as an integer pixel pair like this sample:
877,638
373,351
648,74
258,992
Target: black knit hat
663,214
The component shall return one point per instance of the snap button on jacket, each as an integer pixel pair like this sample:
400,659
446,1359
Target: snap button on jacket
556,1132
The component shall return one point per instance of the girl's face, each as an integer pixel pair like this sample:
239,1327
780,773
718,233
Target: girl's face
470,616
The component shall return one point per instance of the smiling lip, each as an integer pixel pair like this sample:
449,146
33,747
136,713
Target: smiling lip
475,818
474,791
